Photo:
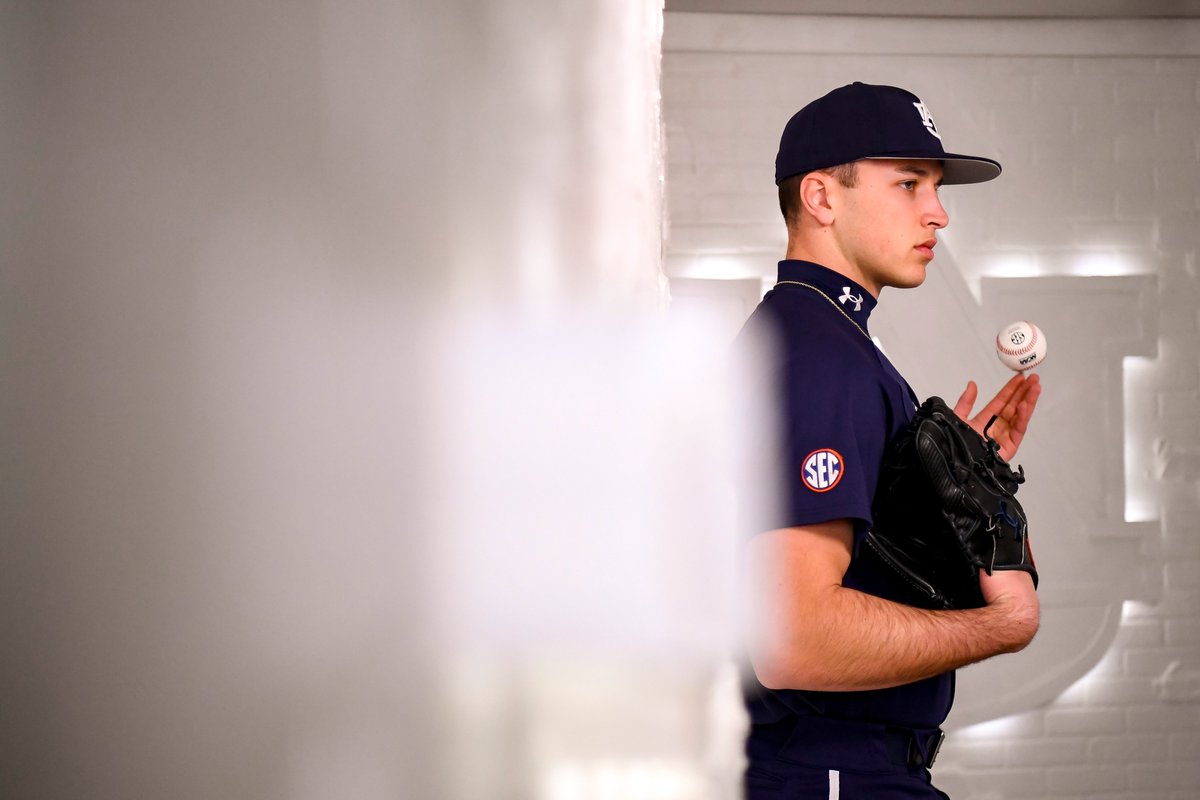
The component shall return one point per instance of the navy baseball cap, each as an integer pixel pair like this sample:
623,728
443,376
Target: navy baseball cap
862,120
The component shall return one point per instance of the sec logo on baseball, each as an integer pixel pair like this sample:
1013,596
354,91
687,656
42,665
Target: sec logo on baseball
822,469
1021,346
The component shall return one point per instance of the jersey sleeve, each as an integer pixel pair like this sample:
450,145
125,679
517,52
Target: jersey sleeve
835,428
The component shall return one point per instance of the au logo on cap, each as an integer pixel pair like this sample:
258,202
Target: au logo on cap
926,119
822,469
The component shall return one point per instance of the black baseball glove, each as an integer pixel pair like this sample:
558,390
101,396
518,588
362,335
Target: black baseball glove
944,509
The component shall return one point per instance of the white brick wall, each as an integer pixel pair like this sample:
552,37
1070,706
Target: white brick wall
1099,136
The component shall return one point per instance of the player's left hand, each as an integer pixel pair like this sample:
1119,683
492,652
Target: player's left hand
1012,406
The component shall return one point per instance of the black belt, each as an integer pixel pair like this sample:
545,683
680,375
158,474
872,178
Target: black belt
823,741
923,749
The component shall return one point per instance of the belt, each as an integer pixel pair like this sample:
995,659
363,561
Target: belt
923,749
823,741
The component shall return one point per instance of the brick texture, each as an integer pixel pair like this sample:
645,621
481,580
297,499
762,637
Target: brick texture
1101,155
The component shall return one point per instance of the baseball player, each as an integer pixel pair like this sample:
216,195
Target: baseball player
848,687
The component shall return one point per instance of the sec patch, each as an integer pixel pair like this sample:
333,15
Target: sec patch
822,469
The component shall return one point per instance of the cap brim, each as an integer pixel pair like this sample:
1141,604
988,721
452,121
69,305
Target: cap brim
956,168
968,169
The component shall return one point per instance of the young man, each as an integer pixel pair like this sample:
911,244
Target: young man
849,687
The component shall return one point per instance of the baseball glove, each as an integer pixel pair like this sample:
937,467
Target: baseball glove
944,509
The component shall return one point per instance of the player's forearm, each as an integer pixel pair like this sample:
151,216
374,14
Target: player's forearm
845,640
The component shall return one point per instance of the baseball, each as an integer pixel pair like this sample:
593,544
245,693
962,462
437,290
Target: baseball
1021,346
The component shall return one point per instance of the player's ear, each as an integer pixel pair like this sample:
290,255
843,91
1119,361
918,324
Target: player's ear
815,191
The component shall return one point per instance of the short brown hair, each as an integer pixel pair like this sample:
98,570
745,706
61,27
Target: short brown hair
789,188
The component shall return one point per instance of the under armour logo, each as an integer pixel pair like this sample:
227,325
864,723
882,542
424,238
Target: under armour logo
847,296
927,120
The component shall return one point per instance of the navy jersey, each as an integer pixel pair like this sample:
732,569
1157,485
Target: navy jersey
842,401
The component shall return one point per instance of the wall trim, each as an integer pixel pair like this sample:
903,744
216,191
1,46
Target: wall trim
804,33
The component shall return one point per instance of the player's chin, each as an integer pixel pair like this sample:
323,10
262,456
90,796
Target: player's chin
910,278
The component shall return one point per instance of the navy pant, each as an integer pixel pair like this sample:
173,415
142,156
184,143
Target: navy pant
815,758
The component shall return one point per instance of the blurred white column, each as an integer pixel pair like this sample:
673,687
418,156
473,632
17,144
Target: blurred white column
582,553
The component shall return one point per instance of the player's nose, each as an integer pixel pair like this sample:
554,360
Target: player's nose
936,215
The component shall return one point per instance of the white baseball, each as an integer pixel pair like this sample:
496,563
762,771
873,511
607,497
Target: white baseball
1021,346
